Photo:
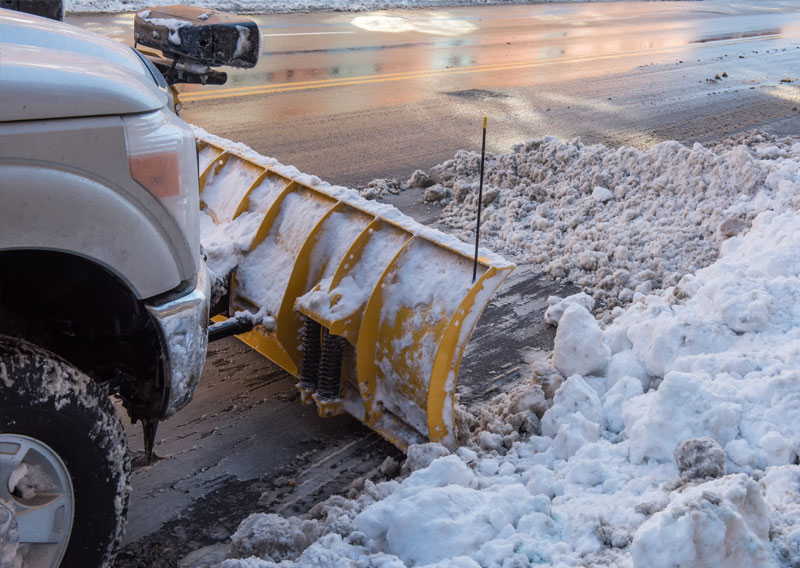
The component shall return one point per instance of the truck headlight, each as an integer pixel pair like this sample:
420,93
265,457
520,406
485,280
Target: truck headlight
163,159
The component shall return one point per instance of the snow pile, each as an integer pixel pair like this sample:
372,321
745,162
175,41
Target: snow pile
674,420
707,373
287,6
619,222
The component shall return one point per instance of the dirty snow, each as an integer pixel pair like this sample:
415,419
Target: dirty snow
692,354
286,6
242,42
30,480
618,222
172,25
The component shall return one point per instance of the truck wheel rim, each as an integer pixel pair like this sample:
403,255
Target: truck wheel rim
36,484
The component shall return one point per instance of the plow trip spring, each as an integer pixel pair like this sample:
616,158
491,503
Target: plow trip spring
372,310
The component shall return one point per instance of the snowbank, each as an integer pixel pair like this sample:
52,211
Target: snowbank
619,222
288,6
578,466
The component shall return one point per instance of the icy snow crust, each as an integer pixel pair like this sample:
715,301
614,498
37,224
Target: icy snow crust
577,466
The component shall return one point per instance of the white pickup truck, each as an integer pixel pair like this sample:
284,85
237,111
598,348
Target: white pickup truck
102,286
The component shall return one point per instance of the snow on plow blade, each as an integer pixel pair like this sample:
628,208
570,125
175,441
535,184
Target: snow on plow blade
372,310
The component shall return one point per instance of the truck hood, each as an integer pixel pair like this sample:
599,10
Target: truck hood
54,70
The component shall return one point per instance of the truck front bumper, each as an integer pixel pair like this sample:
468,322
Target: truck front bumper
183,326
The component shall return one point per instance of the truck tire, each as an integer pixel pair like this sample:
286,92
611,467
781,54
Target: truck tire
64,464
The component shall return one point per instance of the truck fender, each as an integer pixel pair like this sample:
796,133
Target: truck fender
53,209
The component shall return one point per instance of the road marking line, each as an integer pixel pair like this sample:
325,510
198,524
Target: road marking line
322,83
236,92
306,33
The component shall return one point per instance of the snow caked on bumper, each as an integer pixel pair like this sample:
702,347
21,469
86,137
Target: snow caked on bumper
183,326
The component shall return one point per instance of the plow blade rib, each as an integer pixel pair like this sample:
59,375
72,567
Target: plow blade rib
391,299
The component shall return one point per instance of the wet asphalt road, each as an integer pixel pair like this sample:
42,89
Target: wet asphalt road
379,95
354,96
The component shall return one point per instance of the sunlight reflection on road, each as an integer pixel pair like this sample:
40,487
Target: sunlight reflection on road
426,22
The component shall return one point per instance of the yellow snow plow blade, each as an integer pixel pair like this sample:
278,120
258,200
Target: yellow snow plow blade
372,310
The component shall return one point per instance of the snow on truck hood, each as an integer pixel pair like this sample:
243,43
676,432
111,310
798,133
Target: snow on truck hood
55,70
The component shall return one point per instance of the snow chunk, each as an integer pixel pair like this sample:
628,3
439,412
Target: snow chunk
420,456
782,494
777,449
602,194
625,364
683,407
575,434
556,306
489,441
700,458
444,518
420,179
273,537
622,390
574,396
579,347
723,522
